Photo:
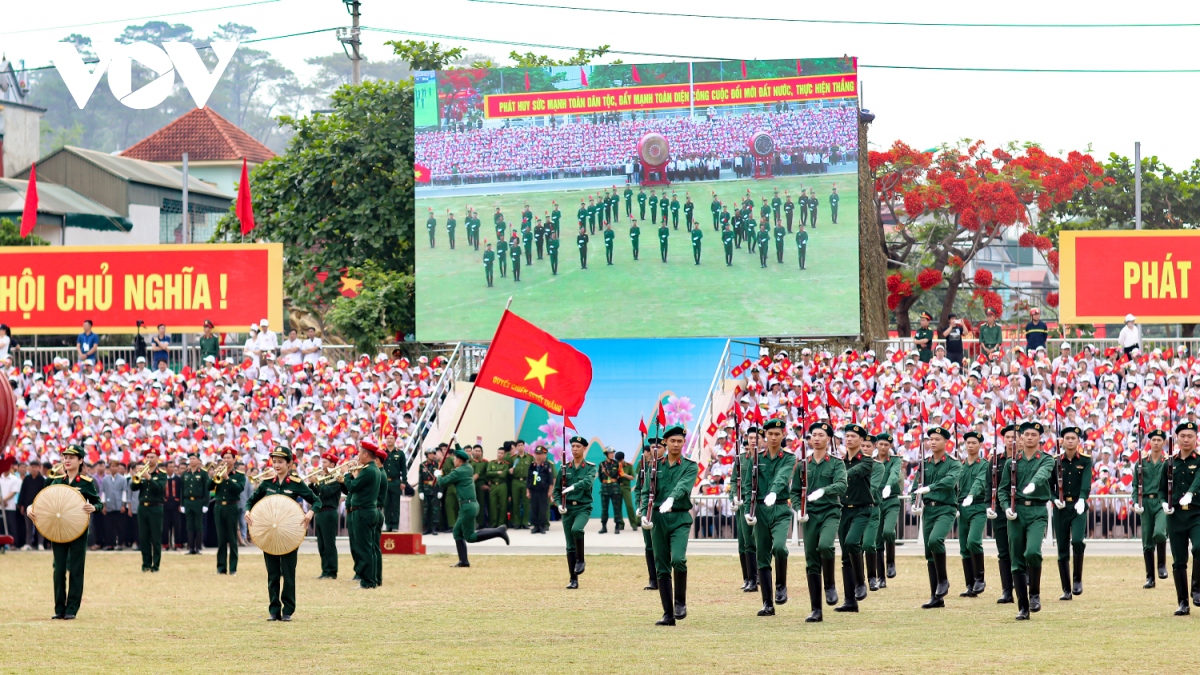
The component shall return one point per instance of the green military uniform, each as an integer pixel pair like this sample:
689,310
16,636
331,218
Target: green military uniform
744,531
801,247
870,538
591,217
428,491
1028,528
1000,527
581,215
697,235
670,532
789,210
857,503
654,209
473,225
727,242
641,199
227,495
556,218
152,492
431,226
609,236
194,495
395,467
764,244
640,488
689,213
715,207
635,234
489,257
283,567
813,201
326,522
975,482
823,516
1147,479
628,202
764,212
772,522
581,242
527,243
479,468
776,206
780,236
833,205
926,352
802,204
450,491
552,245
462,481
940,505
500,225
377,529
496,475
624,480
576,481
610,493
362,514
664,233
889,514
1182,477
539,238
514,256
518,475
1070,525
502,255
674,205
451,226
210,346
663,205
70,557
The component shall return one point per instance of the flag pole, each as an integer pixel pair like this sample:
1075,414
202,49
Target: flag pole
474,384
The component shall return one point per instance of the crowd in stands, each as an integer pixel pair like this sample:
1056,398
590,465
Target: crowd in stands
515,153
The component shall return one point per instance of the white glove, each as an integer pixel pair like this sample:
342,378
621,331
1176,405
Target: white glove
647,524
887,491
969,500
802,518
666,505
1185,499
437,473
921,490
204,509
991,514
1010,514
1028,489
569,488
769,500
439,495
181,510
420,495
816,494
1080,506
1167,509
1060,504
1138,509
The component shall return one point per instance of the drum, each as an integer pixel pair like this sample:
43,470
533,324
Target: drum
8,414
60,514
278,525
762,144
653,149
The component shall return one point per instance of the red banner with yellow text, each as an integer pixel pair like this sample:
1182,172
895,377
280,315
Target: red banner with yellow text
656,97
55,289
1147,273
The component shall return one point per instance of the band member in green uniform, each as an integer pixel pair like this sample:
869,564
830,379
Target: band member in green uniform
362,493
514,256
833,204
889,506
813,201
555,218
773,521
802,205
939,492
654,208
856,513
716,208
789,210
1148,503
764,212
780,235
489,257
326,520
641,200
194,494
1000,524
527,243
395,469
582,214
663,205
463,480
670,523
1180,482
697,235
818,483
502,255
635,234
373,544
674,205
429,494
581,241
628,202
727,237
664,233
689,212
776,207
500,225
282,605
431,226
1027,516
539,237
592,208
573,495
651,452
1070,523
609,236
552,246
451,226
227,494
610,492
151,488
974,491
801,245
70,557
764,243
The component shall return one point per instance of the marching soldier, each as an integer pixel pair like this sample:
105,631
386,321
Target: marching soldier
527,243
227,491
740,483
489,257
801,245
429,494
195,503
870,538
1027,515
717,209
812,209
689,212
1070,524
974,490
653,201
582,242
539,235
450,502
1180,482
151,489
526,217
451,225
780,235
624,480
502,254
377,528
518,494
697,235
724,219
776,207
641,199
889,507
582,213
496,475
764,243
789,210
70,557
802,205
283,567
674,205
576,480
833,204
431,226
651,452
326,520
663,205
856,514
670,524
1000,525
609,236
727,237
610,491
514,256
500,225
552,245
635,234
482,484
764,212
664,233
940,489
556,218
772,522
395,468
362,494
615,206
473,224
539,478
628,202
1149,506
819,482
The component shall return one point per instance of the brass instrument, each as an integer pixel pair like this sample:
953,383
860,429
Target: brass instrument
221,472
57,471
339,472
317,477
140,474
267,474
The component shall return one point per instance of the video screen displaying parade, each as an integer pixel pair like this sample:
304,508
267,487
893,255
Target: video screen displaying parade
693,192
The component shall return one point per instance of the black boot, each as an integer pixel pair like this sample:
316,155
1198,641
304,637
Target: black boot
1181,592
764,587
1148,556
1035,589
604,527
781,597
969,573
860,580
814,599
460,545
653,586
1196,585
1006,582
745,572
680,594
752,572
849,583
1162,560
943,587
831,596
1021,585
891,559
935,600
667,598
977,563
493,533
1064,577
579,564
1077,574
872,580
879,568
571,569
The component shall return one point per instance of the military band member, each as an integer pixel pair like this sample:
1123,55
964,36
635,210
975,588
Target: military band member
610,492
462,478
641,200
628,202
653,201
671,523
717,210
819,481
514,257
582,242
473,228
539,236
151,489
489,257
939,492
663,205
773,518
498,222
764,212
539,479
624,482
789,210
802,205
1027,517
227,494
282,605
326,518
194,494
1148,504
376,530
674,211
70,557
609,236
856,513
502,254
812,209
362,493
889,506
635,235
527,243
833,205
974,491
697,236
573,495
763,243
552,246
431,226
664,233
451,226
526,217
652,451
727,237
780,235
801,245
582,214
724,220
1070,523
556,218
776,207
1000,524
689,212
1181,482
429,494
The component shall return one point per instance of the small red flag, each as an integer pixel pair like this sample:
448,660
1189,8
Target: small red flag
764,362
833,402
527,363
1173,401
743,70
799,68
959,418
642,427
245,210
567,423
582,76
527,80
29,215
421,173
662,417
637,79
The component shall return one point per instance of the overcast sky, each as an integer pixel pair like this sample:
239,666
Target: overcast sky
1062,111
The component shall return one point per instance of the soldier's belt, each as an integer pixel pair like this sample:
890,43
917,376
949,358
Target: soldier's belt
226,503
323,509
1070,499
609,481
466,501
1153,495
191,499
151,503
429,482
1034,502
933,503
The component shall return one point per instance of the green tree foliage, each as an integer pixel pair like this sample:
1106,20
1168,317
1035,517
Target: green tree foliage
422,55
384,302
10,235
582,57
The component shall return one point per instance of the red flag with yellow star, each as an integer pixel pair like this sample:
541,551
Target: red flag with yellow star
527,363
421,173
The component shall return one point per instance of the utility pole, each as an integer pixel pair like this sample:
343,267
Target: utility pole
1137,185
187,225
351,41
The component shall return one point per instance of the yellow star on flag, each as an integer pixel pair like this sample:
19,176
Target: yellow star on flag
539,370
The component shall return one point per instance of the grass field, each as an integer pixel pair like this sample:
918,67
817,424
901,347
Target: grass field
511,614
645,298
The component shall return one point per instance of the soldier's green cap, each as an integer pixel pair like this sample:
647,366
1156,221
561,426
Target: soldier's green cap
858,430
190,455
752,429
821,426
677,430
1033,426
775,423
462,454
580,440
1185,426
1157,433
1074,430
539,450
973,434
937,431
1007,428
883,436
283,452
653,440
73,449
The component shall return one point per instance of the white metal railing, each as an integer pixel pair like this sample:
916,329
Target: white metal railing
463,362
179,355
972,346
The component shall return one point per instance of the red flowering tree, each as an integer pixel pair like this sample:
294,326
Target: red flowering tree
948,205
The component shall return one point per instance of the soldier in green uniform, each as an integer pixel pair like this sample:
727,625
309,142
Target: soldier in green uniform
813,201
451,226
429,494
624,480
857,503
780,235
227,494
628,202
450,501
818,483
499,224
889,507
473,229
527,243
641,199
326,520
870,537
514,257
609,236
789,210
764,212
591,215
489,258
539,237
727,243
395,467
1073,471
152,492
483,486
833,204
697,235
362,495
801,245
1180,482
671,523
581,242
974,490
70,557
604,208
526,217
924,338
663,206
664,233
739,487
723,219
635,235
776,207
689,212
1027,516
716,208
552,246
1000,525
496,475
582,214
431,226
939,491
576,478
1148,503
377,528
610,492
502,254
556,217
538,480
802,204
764,243
194,494
518,473
773,521
282,605
674,206
651,452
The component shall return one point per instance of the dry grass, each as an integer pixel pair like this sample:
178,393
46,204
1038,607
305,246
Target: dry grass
511,614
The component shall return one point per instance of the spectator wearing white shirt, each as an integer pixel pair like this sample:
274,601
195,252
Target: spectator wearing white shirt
267,340
10,489
311,347
289,351
251,349
1131,335
5,341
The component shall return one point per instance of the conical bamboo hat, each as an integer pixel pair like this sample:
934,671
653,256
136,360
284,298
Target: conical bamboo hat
60,514
278,525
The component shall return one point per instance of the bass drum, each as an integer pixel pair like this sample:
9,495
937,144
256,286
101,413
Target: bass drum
278,525
653,149
60,514
8,414
762,144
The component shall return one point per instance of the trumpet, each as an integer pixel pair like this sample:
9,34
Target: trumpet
220,473
268,474
140,474
317,477
339,472
57,471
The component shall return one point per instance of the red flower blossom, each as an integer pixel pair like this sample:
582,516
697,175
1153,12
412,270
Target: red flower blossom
1043,244
983,278
955,261
1027,240
893,282
1052,259
1052,299
893,301
928,278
